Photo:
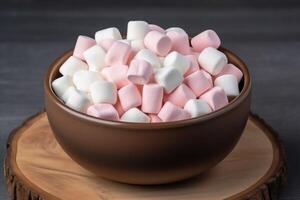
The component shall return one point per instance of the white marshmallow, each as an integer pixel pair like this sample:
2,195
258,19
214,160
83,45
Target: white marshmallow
149,56
67,94
135,115
197,107
108,33
95,58
72,65
103,92
180,62
169,78
61,85
228,83
136,30
137,45
176,29
78,100
83,79
212,60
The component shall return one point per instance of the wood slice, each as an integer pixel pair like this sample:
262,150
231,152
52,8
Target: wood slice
37,168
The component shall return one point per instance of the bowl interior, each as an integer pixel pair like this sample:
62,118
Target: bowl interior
244,86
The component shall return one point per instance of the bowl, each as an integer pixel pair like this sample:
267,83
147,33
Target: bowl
148,154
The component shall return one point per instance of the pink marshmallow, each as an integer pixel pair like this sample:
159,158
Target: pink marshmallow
181,95
83,43
194,64
171,112
208,76
158,42
139,72
199,82
152,98
154,118
208,38
215,97
140,88
106,43
116,74
231,69
180,42
103,111
153,27
194,53
129,97
119,53
119,108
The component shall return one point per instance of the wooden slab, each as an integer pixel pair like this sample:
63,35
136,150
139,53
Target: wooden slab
37,168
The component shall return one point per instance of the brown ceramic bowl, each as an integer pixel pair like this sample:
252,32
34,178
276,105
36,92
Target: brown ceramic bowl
148,153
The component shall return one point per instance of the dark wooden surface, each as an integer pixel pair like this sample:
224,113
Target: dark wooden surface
266,36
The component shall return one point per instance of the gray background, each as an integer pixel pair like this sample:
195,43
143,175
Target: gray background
265,34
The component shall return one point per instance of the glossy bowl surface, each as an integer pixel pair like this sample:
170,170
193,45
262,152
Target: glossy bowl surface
148,153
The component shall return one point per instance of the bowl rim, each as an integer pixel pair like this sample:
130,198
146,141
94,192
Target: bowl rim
54,69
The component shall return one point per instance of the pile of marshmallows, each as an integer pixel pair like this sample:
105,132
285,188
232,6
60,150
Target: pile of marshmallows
154,75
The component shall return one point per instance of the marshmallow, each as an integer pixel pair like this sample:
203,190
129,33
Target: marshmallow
181,95
139,72
103,92
169,78
171,112
195,54
208,38
176,29
146,54
228,83
158,42
108,33
119,53
231,69
78,100
61,85
208,76
136,30
180,42
153,75
103,111
95,58
67,94
135,115
129,97
198,82
212,60
72,65
137,45
152,98
125,41
106,44
154,118
83,79
194,66
116,74
161,60
119,108
197,107
83,43
215,97
154,27
178,61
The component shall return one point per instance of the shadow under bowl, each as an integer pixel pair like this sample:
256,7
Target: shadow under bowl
148,154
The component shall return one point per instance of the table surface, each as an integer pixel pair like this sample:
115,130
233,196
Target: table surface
266,38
